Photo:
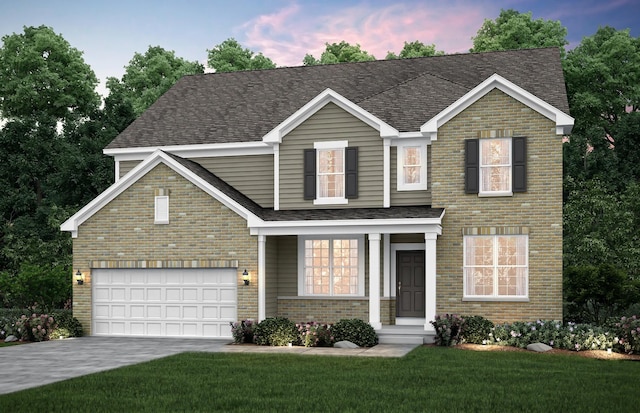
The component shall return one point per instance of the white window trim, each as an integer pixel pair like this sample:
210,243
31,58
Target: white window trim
301,264
495,296
161,215
400,185
482,193
330,200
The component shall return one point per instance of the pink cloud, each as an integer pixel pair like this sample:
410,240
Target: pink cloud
288,34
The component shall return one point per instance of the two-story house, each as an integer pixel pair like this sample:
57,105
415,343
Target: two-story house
388,191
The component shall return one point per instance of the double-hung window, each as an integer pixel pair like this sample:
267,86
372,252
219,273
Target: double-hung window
330,173
412,167
495,166
496,266
331,266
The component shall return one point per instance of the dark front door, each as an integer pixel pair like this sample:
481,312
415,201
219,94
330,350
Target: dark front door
410,284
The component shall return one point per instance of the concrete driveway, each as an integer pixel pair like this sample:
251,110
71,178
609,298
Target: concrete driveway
35,364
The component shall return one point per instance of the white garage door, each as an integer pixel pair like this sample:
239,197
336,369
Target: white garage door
164,302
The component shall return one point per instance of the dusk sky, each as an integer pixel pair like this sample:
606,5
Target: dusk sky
110,32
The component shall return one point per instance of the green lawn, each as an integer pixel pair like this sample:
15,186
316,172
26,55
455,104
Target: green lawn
430,379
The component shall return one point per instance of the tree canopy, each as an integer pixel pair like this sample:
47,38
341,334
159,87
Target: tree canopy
514,30
415,49
342,52
149,75
230,56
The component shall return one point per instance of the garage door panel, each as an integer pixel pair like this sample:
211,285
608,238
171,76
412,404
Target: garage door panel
164,302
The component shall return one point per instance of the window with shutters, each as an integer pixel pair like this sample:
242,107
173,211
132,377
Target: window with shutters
331,173
496,167
412,167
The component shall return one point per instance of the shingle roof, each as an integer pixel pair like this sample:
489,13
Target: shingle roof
405,93
268,214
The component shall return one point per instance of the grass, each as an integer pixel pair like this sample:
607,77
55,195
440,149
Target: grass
428,379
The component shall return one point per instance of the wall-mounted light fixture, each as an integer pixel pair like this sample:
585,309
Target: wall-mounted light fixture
79,278
245,277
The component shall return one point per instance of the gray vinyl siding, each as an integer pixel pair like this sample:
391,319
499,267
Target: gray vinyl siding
271,277
126,166
250,174
331,124
403,198
287,257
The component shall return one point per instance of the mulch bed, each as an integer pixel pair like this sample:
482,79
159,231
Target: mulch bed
593,354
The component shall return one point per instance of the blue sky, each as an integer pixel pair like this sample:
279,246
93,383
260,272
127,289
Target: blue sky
110,32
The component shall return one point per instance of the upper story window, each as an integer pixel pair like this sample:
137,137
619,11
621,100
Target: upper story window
331,173
496,166
496,266
161,209
412,167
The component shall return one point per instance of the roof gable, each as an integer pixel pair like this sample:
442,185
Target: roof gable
202,179
564,122
317,103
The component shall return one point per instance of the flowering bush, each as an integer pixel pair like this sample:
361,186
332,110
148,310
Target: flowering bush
629,334
475,330
520,333
448,329
242,331
313,334
34,328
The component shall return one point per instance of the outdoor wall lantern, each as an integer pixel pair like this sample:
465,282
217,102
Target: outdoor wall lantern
245,277
79,278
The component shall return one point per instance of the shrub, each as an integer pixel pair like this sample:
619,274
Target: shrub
34,328
67,325
275,331
628,330
355,331
475,329
242,331
448,328
40,286
579,337
313,334
521,333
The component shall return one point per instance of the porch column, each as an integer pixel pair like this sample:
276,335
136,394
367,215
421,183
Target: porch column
430,279
374,281
262,305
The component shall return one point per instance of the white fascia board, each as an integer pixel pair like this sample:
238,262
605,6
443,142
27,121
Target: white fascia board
564,122
192,151
317,103
72,224
360,226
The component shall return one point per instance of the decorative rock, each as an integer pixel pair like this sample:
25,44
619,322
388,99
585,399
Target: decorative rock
345,344
538,347
10,338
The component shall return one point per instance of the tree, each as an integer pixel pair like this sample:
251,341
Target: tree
514,30
230,56
603,79
46,91
42,75
339,53
149,75
415,49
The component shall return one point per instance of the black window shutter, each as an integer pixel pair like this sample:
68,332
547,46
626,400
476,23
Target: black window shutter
472,166
351,172
309,174
519,164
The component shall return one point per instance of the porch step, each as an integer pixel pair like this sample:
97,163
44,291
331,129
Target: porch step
404,335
